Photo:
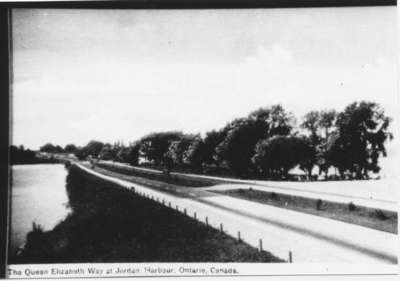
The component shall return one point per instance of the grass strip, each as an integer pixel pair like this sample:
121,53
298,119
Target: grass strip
373,218
153,184
172,179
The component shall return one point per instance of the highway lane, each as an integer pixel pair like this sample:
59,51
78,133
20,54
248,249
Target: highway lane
309,238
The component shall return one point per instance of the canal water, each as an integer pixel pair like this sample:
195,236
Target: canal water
38,195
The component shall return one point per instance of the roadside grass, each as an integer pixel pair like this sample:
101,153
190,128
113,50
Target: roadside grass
368,217
180,180
109,223
209,170
154,184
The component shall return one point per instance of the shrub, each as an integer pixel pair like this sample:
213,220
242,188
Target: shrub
319,204
352,207
380,214
274,196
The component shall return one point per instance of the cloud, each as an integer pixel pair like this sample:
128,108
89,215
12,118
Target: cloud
112,96
273,56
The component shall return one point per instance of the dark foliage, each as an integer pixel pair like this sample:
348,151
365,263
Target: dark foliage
92,149
50,148
264,144
318,204
352,207
211,142
320,126
129,154
20,155
178,150
238,146
70,148
154,147
275,156
359,141
243,134
380,215
274,196
196,155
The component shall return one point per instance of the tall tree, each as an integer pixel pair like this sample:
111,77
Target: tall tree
211,142
320,126
273,120
106,152
129,154
238,146
51,148
311,122
363,129
243,134
178,149
20,155
70,148
154,146
92,149
196,154
276,156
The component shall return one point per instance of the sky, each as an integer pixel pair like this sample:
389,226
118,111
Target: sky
121,74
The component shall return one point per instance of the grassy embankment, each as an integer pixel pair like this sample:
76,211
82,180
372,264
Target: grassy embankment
111,224
368,217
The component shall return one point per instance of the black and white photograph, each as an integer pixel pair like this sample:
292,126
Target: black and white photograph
186,142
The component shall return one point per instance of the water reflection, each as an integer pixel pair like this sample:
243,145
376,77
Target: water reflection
38,195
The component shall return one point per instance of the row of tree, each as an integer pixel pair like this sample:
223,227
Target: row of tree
51,148
21,155
267,144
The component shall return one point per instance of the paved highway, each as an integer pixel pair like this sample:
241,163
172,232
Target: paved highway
309,238
380,194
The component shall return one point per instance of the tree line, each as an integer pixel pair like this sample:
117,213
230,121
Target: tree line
265,144
21,155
